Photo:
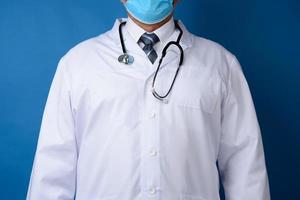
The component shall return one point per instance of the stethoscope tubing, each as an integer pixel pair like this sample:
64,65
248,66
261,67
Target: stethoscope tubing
164,52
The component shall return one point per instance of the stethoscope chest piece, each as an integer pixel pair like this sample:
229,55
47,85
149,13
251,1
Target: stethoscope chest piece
126,59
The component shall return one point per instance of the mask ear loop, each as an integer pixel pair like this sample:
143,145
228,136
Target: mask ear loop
164,52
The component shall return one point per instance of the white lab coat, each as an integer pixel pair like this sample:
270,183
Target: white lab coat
105,137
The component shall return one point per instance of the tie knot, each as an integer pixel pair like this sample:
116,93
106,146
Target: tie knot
149,38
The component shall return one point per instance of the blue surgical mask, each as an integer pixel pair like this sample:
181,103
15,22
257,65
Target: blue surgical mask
149,11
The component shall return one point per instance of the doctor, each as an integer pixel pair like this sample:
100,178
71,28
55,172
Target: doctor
116,125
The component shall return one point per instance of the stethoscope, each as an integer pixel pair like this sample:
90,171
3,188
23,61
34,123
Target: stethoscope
127,59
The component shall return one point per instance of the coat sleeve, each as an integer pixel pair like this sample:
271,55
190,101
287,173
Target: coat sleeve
241,158
53,174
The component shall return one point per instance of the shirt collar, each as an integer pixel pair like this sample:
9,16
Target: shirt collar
186,41
162,33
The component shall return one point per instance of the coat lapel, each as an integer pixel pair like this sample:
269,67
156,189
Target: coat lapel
171,60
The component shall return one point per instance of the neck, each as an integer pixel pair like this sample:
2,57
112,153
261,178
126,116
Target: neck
150,27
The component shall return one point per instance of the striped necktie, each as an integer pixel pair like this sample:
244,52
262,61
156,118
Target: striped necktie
147,41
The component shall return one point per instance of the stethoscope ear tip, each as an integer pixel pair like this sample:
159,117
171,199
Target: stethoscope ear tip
158,98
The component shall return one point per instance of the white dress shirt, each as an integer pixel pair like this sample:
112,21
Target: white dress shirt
163,33
105,137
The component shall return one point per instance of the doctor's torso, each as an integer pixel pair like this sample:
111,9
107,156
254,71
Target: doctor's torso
125,136
104,136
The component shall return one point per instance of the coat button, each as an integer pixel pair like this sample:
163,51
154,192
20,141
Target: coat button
152,190
152,115
153,153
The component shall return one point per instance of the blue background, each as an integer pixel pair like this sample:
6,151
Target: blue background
263,34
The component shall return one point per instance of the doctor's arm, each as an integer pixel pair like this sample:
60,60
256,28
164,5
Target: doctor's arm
241,157
54,168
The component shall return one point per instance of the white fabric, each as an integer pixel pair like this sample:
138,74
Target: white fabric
163,33
105,137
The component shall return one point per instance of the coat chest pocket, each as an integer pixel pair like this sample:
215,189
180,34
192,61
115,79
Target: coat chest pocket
197,89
